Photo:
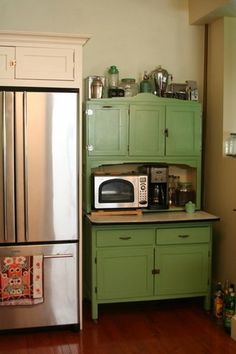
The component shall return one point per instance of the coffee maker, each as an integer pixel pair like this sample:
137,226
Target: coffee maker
158,187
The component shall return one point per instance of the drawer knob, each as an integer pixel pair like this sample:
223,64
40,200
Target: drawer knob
183,236
125,238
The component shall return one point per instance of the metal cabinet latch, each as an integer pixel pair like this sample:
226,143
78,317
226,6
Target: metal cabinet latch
155,271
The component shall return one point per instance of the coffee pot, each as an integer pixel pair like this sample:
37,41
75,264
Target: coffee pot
160,77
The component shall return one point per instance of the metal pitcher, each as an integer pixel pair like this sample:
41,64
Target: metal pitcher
160,77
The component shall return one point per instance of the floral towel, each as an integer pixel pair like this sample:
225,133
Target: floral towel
21,280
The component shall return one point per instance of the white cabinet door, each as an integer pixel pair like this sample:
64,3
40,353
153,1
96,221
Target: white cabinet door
42,63
7,57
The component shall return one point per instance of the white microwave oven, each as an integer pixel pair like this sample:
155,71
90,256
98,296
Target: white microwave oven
120,191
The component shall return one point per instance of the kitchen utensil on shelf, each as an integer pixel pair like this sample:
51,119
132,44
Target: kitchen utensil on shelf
160,77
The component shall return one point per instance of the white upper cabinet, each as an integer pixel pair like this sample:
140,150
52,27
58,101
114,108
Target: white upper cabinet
37,59
45,63
7,62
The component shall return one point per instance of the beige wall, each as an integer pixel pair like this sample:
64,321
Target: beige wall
135,35
220,171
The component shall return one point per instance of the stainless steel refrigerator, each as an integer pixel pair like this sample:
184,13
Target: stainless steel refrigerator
39,198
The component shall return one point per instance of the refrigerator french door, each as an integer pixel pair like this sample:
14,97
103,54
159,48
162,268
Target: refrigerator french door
39,197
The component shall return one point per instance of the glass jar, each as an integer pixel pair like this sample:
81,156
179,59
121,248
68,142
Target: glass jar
129,86
113,78
230,145
184,193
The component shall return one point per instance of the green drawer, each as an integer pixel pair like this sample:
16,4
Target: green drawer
183,235
125,237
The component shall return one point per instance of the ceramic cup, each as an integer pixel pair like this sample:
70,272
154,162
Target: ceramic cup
190,207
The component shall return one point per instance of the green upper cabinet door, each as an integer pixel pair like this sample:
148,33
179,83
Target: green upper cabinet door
147,130
183,133
107,130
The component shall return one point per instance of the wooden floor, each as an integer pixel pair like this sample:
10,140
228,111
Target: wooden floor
163,327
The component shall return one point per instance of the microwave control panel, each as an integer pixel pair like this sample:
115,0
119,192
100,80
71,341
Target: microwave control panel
143,191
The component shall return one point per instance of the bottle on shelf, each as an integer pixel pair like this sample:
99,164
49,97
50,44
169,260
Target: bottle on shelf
229,308
218,301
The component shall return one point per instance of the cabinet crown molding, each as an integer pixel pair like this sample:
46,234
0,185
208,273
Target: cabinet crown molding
50,37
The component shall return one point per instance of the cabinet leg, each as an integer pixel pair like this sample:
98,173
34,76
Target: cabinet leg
94,310
207,303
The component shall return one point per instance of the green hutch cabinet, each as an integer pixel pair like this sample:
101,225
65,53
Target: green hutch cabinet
141,129
134,129
145,259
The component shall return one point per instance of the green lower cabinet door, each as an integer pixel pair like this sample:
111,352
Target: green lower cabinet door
124,273
182,269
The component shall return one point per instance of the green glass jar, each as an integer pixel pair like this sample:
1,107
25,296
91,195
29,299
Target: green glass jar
145,84
113,78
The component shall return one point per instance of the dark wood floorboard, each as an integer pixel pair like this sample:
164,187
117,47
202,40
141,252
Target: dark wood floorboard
162,327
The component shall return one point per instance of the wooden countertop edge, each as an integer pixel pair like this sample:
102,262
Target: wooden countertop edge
158,218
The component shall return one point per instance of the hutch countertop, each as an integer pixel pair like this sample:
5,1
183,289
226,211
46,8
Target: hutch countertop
152,217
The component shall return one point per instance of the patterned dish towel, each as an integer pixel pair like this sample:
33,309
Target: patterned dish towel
21,280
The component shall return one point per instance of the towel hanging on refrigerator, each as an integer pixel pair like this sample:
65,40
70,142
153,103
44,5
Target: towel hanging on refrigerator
21,280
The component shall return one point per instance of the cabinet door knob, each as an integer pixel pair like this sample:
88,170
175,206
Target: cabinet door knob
166,132
183,236
125,238
89,112
90,147
12,63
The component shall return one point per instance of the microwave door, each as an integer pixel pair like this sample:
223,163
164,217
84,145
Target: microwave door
7,163
115,193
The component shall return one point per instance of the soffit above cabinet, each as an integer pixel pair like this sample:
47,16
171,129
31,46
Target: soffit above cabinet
206,11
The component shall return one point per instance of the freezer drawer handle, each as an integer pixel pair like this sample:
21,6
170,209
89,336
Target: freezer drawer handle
58,255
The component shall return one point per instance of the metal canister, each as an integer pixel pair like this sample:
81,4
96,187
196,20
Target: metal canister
96,87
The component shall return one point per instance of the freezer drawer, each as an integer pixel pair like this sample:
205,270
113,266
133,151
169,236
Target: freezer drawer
60,306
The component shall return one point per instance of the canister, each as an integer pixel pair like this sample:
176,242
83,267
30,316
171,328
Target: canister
129,86
230,145
96,88
184,193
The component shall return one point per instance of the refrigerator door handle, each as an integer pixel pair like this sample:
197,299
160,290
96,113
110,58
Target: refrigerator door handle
25,166
58,255
8,167
4,139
